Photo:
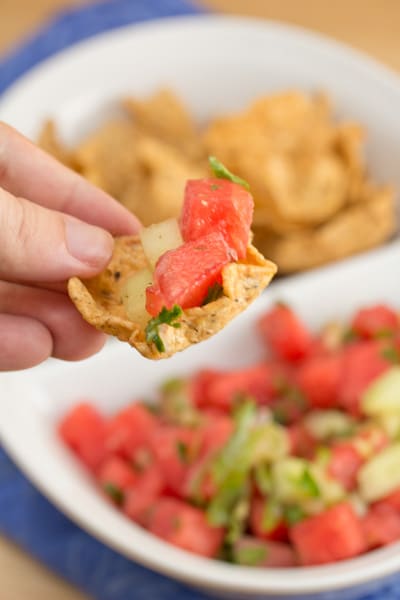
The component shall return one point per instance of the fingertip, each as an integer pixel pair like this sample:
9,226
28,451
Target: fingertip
90,342
25,342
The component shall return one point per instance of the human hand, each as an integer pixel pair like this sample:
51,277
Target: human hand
52,226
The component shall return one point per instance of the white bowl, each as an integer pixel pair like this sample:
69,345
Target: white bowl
33,401
215,64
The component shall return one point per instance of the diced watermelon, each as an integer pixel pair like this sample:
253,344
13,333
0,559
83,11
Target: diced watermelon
392,500
217,205
302,442
221,391
381,526
83,430
183,276
264,527
129,430
319,380
140,496
335,534
200,384
362,362
290,408
285,334
215,433
185,527
348,456
344,464
117,472
375,321
175,449
254,552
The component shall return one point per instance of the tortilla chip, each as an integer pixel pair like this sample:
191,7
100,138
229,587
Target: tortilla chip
50,142
107,158
99,300
157,192
359,227
303,167
164,116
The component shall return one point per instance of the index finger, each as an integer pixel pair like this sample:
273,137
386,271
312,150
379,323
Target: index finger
27,171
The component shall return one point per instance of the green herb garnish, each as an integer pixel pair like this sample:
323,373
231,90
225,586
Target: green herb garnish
308,484
222,172
349,336
165,316
271,515
383,334
182,451
263,478
293,514
213,293
323,455
391,354
115,493
250,555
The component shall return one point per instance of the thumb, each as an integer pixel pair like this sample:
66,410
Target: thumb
38,244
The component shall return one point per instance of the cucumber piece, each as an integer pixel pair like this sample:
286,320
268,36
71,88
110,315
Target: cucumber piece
133,296
383,395
327,424
159,238
381,475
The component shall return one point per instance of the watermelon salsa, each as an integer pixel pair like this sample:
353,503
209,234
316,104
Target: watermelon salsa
185,258
292,461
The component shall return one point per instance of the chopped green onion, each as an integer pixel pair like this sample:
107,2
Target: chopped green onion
271,515
165,316
231,467
262,475
239,516
222,172
308,484
221,506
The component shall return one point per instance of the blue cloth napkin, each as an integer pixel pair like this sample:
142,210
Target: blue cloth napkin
26,516
73,26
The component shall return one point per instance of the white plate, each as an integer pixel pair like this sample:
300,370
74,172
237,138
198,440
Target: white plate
215,64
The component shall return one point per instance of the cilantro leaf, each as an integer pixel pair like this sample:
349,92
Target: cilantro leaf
251,555
214,292
293,514
165,316
115,493
182,451
222,172
349,336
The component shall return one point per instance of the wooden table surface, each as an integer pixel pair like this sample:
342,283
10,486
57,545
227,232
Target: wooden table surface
370,25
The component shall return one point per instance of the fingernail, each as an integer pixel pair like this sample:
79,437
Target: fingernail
88,244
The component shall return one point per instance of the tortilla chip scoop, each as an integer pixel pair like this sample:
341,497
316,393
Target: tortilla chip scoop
99,300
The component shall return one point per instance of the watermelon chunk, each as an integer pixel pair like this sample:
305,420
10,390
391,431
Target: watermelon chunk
218,205
183,276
